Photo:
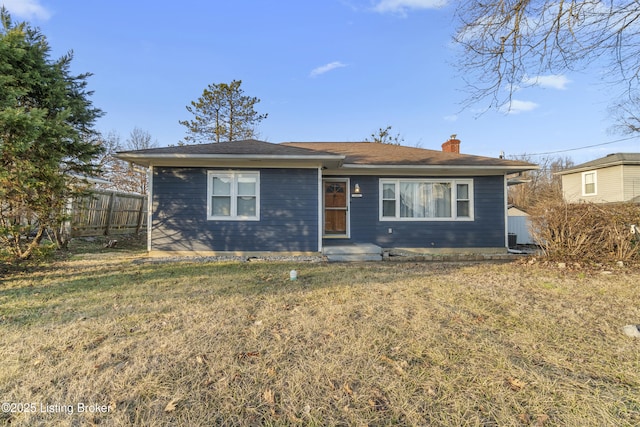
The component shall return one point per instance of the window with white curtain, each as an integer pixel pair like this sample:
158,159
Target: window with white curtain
426,199
233,195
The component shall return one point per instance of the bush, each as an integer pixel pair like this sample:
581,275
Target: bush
587,232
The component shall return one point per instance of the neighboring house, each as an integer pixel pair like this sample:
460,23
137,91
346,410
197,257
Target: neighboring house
254,196
614,178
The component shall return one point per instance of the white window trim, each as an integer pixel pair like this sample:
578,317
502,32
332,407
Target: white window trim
233,175
454,200
595,183
348,210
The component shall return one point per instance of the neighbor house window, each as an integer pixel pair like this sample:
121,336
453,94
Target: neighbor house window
589,183
425,200
233,195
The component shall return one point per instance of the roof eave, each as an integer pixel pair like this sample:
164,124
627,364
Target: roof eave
580,169
461,170
330,162
226,159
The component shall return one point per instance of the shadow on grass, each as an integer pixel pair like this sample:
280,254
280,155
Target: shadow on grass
46,256
64,296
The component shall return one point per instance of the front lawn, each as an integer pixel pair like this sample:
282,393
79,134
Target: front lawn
102,340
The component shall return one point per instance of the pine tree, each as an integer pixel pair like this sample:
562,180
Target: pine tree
222,113
46,136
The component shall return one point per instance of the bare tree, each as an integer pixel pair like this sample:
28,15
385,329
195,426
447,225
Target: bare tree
543,184
110,143
508,44
140,140
627,119
122,175
384,136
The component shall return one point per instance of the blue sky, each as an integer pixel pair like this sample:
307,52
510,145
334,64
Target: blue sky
329,70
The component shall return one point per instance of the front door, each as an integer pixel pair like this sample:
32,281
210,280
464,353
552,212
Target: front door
336,207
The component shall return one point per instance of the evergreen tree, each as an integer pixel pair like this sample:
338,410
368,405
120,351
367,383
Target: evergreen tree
46,136
222,113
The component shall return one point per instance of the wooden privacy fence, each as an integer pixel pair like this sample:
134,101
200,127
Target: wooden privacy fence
108,213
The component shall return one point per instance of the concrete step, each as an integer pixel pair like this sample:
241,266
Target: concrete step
354,258
353,252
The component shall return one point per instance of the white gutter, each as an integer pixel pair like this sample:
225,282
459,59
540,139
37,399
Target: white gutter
145,159
506,213
433,170
578,169
440,166
149,206
320,209
126,156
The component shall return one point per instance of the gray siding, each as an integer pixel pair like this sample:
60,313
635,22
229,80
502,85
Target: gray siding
631,176
519,225
613,184
572,187
487,230
288,213
609,186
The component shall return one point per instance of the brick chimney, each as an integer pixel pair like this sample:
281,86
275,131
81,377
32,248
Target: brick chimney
452,145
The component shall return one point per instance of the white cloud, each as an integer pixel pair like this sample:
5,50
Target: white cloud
26,9
554,81
451,118
402,6
326,68
516,107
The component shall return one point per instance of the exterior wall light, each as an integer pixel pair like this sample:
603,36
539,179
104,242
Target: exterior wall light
356,191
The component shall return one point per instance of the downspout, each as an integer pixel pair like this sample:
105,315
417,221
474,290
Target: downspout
506,214
149,206
320,226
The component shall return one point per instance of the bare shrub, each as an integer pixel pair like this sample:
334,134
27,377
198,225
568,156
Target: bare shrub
587,231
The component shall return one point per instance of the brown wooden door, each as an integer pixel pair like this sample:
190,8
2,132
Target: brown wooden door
335,207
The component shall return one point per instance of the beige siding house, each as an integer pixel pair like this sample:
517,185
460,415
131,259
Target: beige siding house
610,179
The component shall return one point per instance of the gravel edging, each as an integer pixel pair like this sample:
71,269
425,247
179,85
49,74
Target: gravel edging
228,258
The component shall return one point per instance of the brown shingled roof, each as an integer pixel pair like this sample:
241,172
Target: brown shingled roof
227,152
246,147
369,153
329,154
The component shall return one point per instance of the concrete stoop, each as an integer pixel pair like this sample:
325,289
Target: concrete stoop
355,252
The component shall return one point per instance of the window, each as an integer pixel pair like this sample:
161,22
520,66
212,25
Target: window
589,183
389,199
233,195
425,200
463,200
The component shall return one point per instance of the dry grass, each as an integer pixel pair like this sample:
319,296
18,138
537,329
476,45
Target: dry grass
346,344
